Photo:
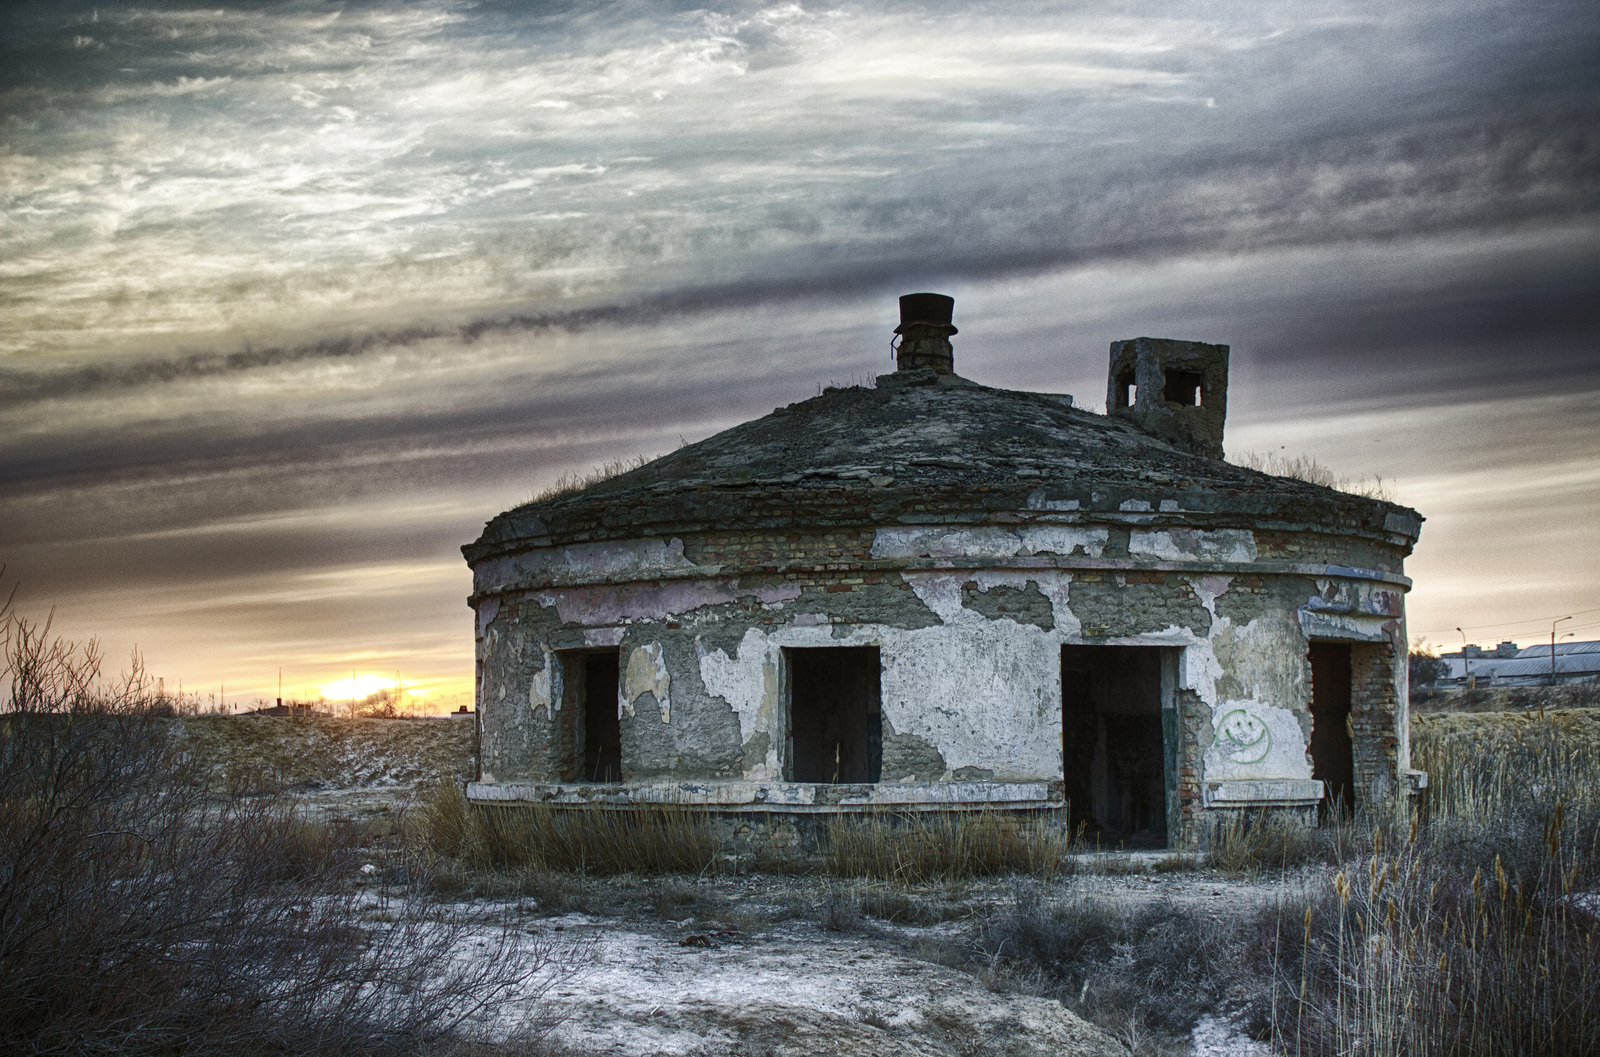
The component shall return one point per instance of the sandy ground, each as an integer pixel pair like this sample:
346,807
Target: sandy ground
654,982
733,965
796,990
725,965
745,967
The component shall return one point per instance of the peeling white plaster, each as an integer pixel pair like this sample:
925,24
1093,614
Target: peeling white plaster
941,592
1265,659
1218,545
602,605
540,690
1038,501
1063,540
773,596
750,686
1134,505
487,641
1199,669
985,693
1255,740
986,696
488,609
647,673
919,542
1208,589
1054,585
987,542
1342,626
1345,609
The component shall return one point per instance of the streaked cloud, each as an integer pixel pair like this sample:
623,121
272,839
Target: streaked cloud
308,291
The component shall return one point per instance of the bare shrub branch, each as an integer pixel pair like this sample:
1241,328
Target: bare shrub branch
142,912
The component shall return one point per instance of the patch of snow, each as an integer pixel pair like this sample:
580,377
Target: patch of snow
1217,1036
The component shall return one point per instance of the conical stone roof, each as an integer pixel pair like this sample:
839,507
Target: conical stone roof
922,448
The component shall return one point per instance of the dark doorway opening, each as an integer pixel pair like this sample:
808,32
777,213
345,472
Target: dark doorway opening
589,728
1113,751
602,728
1332,755
835,718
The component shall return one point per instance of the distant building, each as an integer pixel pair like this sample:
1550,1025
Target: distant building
293,708
1508,665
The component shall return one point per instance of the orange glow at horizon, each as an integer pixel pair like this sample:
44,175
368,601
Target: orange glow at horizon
363,685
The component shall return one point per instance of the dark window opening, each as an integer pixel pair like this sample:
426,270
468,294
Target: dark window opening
1332,755
1184,387
1113,753
589,729
835,718
1127,392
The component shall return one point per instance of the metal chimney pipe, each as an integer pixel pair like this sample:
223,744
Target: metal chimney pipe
925,333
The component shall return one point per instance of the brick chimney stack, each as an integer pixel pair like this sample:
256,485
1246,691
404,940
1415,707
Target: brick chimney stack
1175,390
925,333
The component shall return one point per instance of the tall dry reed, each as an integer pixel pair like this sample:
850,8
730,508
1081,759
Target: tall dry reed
1475,930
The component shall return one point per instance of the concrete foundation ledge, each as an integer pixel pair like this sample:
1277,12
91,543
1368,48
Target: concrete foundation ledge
1264,792
785,797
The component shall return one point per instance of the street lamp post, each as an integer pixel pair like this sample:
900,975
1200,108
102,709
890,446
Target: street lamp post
1466,662
1553,624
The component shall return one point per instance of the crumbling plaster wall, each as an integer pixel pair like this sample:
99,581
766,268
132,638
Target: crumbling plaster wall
970,651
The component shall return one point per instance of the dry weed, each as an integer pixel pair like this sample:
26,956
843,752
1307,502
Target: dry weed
569,483
1466,932
144,912
911,848
1305,468
545,838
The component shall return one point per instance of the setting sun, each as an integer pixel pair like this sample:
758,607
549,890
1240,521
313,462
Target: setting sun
359,686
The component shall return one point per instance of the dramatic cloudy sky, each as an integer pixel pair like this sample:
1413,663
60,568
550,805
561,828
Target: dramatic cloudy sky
293,297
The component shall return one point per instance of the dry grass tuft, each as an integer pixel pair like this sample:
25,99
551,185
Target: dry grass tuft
1418,954
1141,971
911,848
1307,469
650,839
1253,843
568,483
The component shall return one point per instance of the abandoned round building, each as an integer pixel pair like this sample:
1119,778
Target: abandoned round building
932,594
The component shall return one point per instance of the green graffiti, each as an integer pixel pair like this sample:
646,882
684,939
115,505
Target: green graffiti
1245,738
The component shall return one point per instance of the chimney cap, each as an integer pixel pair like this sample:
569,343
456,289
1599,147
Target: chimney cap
934,309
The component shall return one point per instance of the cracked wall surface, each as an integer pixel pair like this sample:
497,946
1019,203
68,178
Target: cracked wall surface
968,534
970,655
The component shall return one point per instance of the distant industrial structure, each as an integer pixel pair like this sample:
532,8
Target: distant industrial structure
1507,664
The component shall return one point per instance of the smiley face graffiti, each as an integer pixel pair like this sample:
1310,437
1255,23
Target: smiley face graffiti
1244,737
